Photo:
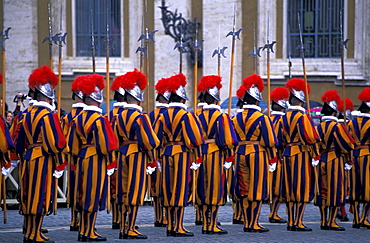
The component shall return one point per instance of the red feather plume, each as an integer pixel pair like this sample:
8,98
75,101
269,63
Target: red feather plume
1,78
279,93
208,82
42,76
76,82
117,83
255,80
349,105
88,86
161,86
175,81
364,95
331,95
298,85
241,91
130,79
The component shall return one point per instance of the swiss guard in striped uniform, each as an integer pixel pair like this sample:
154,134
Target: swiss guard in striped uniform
335,143
91,139
77,107
300,155
136,139
163,98
118,107
219,141
360,174
279,105
255,150
41,134
180,136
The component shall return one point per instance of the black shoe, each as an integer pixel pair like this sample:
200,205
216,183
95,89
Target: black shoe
291,228
237,221
25,239
339,228
186,234
218,223
138,237
302,229
324,227
81,238
197,222
277,221
344,219
74,228
115,226
221,232
260,230
99,238
136,227
205,232
170,233
122,236
44,231
365,226
356,226
159,224
339,216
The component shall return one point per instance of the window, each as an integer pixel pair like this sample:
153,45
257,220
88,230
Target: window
92,17
320,23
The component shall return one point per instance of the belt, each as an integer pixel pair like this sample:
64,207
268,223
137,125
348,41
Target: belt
327,150
209,141
126,142
173,143
366,146
34,145
249,142
87,145
293,144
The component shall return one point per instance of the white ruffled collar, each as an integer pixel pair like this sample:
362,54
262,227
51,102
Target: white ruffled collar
211,107
255,107
277,113
32,102
161,105
93,108
134,106
329,118
296,108
364,115
201,104
120,104
44,104
78,105
178,104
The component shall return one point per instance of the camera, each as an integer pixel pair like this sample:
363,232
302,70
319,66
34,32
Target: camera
19,96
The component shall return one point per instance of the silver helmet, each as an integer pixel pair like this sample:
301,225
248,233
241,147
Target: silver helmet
97,95
167,95
79,94
214,92
121,91
255,93
47,90
181,92
136,93
299,95
282,103
333,105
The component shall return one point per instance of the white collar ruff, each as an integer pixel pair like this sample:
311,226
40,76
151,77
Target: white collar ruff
44,104
134,106
329,118
178,104
211,107
278,113
201,104
255,107
296,108
364,115
78,105
120,104
93,108
161,105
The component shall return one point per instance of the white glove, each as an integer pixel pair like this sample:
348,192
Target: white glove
110,171
194,166
272,167
227,165
347,166
159,166
150,170
5,171
315,162
58,173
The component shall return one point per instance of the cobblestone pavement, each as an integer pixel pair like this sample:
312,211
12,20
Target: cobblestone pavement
58,226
